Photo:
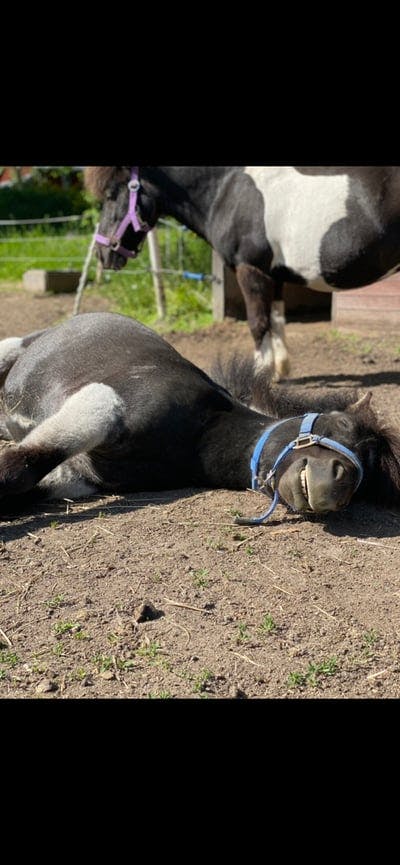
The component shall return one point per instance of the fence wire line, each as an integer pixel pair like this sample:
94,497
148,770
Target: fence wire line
200,277
43,221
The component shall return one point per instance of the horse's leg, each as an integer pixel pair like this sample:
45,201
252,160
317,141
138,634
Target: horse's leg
279,348
87,419
265,318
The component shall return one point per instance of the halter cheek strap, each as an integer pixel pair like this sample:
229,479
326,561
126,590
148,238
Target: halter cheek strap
131,218
305,438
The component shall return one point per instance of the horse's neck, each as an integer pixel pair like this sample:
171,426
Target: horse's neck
226,445
187,193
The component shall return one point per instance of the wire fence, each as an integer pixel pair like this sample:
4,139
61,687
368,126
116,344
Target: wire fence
73,246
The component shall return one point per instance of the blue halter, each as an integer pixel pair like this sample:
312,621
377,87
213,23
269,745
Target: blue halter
305,439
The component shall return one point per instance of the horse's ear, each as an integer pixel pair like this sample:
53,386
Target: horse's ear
361,403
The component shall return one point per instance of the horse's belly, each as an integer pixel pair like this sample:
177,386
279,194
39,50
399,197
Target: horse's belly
299,210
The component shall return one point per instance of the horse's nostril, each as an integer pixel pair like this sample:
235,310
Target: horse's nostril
338,470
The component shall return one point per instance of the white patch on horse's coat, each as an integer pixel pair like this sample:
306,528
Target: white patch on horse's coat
10,349
281,356
264,355
82,423
298,211
65,481
272,353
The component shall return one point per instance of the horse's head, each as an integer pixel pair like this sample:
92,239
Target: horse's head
323,468
128,213
317,463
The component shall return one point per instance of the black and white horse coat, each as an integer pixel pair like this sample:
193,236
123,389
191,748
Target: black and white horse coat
102,403
330,228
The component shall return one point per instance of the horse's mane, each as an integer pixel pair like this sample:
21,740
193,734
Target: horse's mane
98,177
381,451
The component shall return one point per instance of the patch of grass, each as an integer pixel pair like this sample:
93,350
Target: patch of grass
103,662
162,695
54,524
59,650
267,625
61,628
79,674
313,674
212,544
352,342
370,638
200,578
81,635
55,601
249,551
9,658
151,651
243,632
202,680
131,292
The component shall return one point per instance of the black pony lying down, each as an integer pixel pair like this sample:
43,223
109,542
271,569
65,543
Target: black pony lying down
103,404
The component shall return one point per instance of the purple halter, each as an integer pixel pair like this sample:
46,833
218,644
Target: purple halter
131,218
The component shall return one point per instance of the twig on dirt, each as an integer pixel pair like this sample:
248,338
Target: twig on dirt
280,589
65,551
245,658
35,537
178,625
107,531
274,574
377,544
90,540
186,606
380,673
7,639
331,616
25,592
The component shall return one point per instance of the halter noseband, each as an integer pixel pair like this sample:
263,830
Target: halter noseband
304,439
131,218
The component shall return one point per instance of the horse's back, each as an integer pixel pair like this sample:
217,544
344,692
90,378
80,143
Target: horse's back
97,347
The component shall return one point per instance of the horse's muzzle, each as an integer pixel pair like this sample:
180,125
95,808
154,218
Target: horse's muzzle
318,484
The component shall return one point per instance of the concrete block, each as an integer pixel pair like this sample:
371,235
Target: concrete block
51,281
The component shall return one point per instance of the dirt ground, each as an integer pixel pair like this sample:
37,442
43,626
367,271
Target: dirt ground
162,596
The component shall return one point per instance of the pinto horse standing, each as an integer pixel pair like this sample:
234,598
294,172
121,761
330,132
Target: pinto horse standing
103,404
325,227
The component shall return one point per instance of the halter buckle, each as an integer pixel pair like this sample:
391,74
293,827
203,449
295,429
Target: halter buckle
134,185
304,441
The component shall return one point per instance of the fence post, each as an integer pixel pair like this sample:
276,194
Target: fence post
227,297
85,269
155,261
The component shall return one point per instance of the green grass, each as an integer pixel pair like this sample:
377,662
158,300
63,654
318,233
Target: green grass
314,673
267,625
129,291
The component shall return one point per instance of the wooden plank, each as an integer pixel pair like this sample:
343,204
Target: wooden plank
378,304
